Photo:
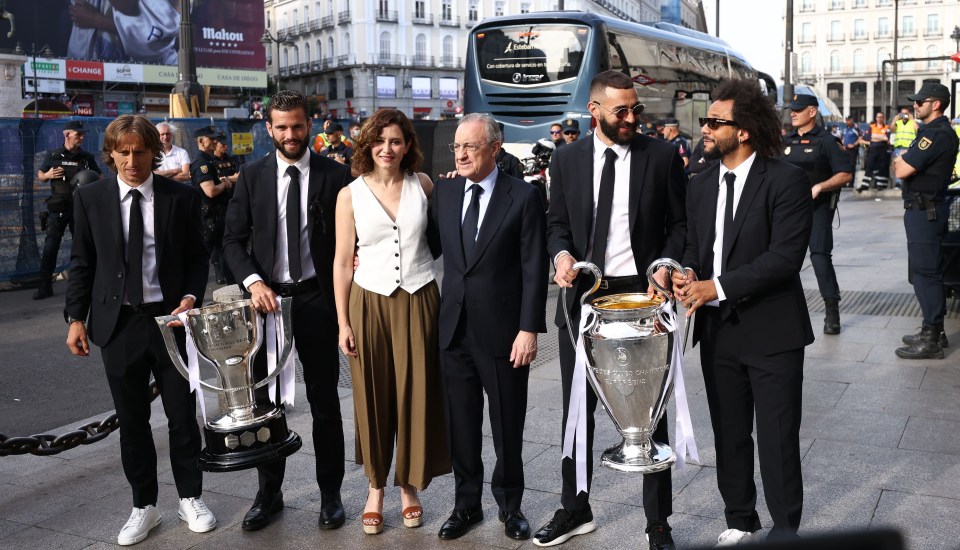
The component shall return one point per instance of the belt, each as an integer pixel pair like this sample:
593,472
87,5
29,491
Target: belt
292,289
613,283
152,309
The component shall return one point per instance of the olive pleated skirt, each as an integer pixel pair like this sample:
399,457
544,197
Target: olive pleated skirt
397,390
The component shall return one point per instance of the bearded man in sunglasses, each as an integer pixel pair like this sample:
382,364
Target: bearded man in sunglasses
749,219
616,200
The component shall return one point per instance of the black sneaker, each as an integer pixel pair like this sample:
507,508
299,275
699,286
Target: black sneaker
658,535
564,526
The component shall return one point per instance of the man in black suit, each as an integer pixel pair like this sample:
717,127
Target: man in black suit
491,229
137,254
616,200
748,226
293,192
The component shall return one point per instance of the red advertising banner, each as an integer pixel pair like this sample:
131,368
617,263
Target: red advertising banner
84,70
82,104
225,34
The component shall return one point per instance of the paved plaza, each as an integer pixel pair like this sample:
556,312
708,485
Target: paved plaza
880,441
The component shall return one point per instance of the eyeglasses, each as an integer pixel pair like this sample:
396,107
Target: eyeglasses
714,123
555,132
468,147
921,102
621,113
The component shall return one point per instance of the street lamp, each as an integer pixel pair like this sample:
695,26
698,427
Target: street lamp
955,35
267,39
45,52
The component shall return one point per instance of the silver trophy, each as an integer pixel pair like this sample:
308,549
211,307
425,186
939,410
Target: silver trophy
244,433
629,350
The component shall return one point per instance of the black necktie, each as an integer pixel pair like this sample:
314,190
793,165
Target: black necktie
728,178
601,228
135,251
293,223
471,221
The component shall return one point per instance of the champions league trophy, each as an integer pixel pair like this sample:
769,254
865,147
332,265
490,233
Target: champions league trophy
629,342
226,335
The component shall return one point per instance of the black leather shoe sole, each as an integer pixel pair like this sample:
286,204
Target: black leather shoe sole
458,525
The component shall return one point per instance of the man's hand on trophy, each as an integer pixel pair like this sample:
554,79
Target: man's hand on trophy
77,339
186,304
524,349
565,273
348,344
680,280
263,297
697,293
662,276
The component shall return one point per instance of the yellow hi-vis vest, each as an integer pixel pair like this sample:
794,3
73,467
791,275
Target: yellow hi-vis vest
905,132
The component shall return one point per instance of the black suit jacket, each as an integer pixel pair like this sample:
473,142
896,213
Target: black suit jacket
504,288
657,216
761,277
97,266
252,218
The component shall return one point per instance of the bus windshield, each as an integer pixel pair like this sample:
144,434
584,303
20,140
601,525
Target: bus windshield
531,55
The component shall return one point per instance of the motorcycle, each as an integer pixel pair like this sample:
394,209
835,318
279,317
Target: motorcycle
535,167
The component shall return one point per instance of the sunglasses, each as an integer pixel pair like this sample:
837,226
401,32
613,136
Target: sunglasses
714,123
921,102
621,113
555,132
570,133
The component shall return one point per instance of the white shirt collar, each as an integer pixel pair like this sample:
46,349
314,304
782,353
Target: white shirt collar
145,188
302,164
486,183
599,148
741,171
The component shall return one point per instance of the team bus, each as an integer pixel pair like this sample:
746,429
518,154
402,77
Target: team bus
533,70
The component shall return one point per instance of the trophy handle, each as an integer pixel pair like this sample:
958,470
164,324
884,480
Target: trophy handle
174,352
286,316
597,276
657,264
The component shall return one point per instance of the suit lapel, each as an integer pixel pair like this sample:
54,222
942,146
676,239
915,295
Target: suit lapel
638,166
268,179
111,205
497,209
750,188
315,186
449,217
584,183
162,207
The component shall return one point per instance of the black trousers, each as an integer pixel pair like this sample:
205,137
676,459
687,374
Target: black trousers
738,384
877,166
657,487
925,260
135,351
468,371
821,248
57,225
315,336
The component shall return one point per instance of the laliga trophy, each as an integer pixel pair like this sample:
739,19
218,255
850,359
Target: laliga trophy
629,345
246,433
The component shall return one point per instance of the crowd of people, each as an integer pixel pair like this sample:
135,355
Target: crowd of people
350,231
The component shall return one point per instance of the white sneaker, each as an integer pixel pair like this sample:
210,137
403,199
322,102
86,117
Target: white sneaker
141,521
732,537
198,517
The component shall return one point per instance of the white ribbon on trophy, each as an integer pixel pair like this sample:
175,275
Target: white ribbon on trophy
684,444
193,366
287,377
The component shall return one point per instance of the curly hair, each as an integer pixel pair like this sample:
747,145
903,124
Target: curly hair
369,133
754,112
136,125
285,100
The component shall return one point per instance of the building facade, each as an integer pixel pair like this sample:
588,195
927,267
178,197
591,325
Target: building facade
841,46
352,57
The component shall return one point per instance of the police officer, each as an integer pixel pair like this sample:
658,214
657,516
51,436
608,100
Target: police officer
571,130
851,140
820,155
215,192
925,169
59,168
671,133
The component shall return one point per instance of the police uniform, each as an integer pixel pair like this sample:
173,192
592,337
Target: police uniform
571,125
851,135
205,167
59,215
925,220
819,154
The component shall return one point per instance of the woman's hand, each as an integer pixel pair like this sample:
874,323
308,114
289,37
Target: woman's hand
348,344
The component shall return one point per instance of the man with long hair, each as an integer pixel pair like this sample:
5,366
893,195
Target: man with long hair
749,218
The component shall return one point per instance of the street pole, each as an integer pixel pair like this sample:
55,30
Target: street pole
787,57
717,26
894,88
187,85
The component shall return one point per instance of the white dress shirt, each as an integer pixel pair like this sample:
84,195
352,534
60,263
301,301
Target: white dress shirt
487,184
618,260
741,172
150,276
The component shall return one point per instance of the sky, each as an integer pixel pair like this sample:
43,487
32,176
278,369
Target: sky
754,28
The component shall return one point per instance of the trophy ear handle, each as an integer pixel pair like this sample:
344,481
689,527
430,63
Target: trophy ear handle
171,343
597,277
657,264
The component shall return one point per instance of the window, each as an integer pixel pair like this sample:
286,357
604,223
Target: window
384,8
286,57
316,11
498,8
525,7
836,4
332,88
933,23
883,27
906,53
330,51
472,11
346,42
859,3
319,50
330,7
806,33
446,10
835,61
293,20
421,48
348,86
448,50
419,9
806,63
306,53
836,30
907,27
932,51
384,46
860,28
296,55
882,56
859,61
807,5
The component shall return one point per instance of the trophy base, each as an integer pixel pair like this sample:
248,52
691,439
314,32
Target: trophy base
633,457
244,448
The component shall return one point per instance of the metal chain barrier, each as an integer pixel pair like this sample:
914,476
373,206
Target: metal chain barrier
48,444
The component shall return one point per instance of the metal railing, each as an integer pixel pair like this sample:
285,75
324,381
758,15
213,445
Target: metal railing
346,59
326,21
422,19
389,16
450,21
343,17
422,61
448,61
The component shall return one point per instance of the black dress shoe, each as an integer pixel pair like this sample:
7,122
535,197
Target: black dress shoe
331,510
515,525
264,506
659,537
459,522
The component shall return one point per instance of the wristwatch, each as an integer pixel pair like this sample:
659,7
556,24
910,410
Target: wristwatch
69,319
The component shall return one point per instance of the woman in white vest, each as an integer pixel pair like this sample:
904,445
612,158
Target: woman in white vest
387,312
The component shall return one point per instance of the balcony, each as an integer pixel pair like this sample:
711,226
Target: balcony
807,40
315,25
315,65
807,7
326,63
883,35
386,59
388,16
933,33
326,22
305,68
284,71
291,30
836,38
450,21
302,28
908,33
836,5
294,69
422,61
859,37
449,62
471,23
422,19
346,59
343,17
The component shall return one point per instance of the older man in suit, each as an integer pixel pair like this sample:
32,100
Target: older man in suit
748,226
491,229
616,200
283,207
137,254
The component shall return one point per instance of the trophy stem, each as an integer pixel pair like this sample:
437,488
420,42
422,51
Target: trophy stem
239,403
638,453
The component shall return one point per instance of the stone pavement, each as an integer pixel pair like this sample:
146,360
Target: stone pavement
880,437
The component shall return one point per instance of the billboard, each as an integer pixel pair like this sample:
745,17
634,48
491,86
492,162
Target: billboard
225,34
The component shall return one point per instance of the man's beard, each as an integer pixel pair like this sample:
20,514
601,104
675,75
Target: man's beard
721,148
291,156
612,130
